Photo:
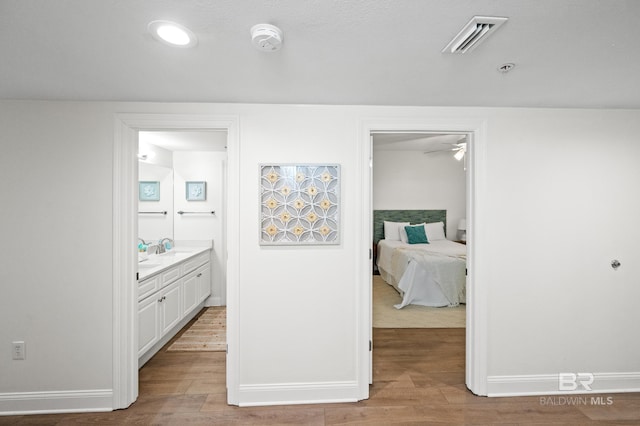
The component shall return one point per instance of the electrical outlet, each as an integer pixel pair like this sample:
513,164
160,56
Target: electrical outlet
19,350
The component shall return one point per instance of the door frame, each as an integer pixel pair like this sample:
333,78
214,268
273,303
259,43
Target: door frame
125,224
477,297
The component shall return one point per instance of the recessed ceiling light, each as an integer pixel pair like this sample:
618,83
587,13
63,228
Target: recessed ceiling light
172,34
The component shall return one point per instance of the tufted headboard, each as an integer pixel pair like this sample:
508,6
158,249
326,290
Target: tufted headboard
413,216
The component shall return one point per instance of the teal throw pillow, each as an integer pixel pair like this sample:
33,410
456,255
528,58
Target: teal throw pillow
416,234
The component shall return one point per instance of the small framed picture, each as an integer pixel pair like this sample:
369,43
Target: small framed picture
196,191
149,191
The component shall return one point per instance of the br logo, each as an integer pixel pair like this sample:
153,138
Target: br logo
571,381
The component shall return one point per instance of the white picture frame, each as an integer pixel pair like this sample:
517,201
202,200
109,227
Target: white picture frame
299,204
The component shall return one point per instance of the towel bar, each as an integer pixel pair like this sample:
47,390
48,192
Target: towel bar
183,212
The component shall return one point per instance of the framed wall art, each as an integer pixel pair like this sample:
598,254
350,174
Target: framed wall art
196,191
299,204
149,191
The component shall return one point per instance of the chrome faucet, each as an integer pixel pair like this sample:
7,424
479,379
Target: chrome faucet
140,240
161,247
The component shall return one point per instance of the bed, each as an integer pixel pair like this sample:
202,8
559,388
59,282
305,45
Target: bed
427,274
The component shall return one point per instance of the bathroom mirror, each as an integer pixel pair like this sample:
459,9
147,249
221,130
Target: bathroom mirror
155,214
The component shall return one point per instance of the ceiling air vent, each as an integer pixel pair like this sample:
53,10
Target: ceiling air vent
476,30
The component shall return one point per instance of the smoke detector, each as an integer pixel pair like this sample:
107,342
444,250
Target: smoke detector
476,30
266,37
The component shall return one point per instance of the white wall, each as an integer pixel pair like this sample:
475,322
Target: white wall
564,202
414,181
561,203
56,216
208,167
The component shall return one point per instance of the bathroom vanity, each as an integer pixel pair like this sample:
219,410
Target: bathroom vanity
172,288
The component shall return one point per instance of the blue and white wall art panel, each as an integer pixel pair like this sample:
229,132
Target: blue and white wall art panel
300,204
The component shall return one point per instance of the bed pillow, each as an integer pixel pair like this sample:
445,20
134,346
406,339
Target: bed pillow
435,231
416,234
392,230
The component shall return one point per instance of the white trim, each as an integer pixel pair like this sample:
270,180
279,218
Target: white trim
364,363
21,403
213,301
124,304
547,384
125,359
476,331
297,393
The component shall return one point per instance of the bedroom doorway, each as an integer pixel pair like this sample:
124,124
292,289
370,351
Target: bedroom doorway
418,178
410,146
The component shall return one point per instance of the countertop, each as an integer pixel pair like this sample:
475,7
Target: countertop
156,263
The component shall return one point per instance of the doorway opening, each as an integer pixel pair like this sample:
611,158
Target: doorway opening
419,284
181,217
174,158
419,178
475,359
128,129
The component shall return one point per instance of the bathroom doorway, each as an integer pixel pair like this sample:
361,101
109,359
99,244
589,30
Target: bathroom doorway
173,158
125,201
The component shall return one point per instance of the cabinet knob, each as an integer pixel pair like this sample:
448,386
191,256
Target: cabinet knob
199,275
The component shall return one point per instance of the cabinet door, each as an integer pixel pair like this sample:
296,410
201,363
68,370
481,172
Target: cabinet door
204,281
171,306
148,286
148,323
189,293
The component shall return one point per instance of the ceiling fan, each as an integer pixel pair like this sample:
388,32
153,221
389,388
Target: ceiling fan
449,143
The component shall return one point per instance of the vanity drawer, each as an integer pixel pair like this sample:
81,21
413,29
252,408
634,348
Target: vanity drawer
148,286
194,262
170,275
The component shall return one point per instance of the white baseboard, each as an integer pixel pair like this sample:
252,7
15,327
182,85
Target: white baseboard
297,393
213,301
548,384
20,403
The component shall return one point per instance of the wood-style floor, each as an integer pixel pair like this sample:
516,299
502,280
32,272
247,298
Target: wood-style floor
418,379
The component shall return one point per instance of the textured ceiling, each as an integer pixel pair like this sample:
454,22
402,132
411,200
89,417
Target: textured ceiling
568,53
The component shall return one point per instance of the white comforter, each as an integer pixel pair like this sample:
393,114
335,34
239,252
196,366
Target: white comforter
425,274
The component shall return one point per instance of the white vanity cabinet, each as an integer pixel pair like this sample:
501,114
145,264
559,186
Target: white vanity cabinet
169,298
197,282
189,292
157,315
158,309
148,323
204,281
170,312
